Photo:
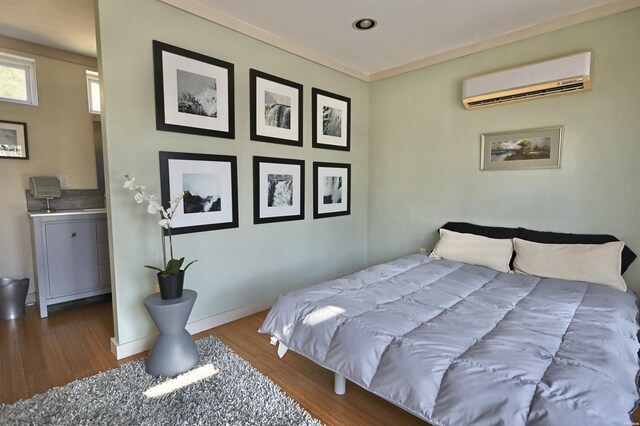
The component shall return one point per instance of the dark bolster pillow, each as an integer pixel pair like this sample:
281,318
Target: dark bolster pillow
485,231
628,256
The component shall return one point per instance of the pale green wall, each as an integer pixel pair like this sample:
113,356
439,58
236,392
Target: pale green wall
238,266
425,148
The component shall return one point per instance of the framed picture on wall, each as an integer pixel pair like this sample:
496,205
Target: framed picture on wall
194,92
278,189
275,109
522,149
13,140
331,120
331,189
210,183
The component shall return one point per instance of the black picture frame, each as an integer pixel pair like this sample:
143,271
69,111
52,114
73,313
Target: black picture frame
331,120
283,124
205,176
326,178
185,81
13,140
290,175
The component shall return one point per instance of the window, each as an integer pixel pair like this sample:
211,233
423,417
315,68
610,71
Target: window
93,92
18,79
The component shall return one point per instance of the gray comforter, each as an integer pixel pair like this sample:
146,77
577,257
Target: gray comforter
458,344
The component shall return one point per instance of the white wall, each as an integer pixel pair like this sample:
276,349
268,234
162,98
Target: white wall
238,266
60,141
425,148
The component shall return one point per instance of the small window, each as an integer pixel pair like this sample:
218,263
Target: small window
93,92
18,79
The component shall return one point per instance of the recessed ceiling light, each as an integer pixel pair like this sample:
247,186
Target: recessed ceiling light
364,24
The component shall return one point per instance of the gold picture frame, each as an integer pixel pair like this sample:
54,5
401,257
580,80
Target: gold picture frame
522,149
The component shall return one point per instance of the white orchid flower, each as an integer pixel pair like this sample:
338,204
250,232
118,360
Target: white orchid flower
154,207
139,197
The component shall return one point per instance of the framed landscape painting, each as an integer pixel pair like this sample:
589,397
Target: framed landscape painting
210,183
331,120
278,189
331,189
194,92
275,110
13,140
522,149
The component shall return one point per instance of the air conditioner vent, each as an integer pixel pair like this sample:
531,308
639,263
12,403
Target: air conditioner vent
568,74
577,87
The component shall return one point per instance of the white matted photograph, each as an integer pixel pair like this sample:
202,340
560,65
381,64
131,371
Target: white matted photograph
194,92
13,140
276,109
278,189
331,189
210,187
331,120
522,149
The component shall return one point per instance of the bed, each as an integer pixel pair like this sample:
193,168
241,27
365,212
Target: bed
459,343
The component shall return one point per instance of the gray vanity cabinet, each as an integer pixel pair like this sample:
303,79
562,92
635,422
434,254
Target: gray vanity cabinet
71,256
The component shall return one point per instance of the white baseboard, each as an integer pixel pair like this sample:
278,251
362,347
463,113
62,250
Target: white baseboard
133,347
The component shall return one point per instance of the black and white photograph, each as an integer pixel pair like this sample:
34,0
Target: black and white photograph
13,140
278,189
275,109
197,94
331,115
331,189
201,192
210,187
194,92
521,149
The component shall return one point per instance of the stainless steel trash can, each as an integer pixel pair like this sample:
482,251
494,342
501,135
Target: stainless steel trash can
13,294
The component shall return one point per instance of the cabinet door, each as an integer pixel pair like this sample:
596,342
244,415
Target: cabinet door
72,258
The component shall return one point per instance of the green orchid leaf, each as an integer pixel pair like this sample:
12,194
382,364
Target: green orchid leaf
190,263
173,266
154,268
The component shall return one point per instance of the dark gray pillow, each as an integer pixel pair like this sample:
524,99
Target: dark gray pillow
485,231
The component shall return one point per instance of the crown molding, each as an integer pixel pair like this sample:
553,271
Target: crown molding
586,15
203,11
209,13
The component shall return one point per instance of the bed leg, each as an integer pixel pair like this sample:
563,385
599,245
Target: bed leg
339,384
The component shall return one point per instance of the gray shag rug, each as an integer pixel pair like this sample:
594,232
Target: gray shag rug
227,391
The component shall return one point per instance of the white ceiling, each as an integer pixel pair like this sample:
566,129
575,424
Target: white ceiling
410,33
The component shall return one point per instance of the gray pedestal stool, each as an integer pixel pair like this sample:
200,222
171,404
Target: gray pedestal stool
174,350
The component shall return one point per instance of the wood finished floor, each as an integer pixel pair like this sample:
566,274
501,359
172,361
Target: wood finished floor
37,354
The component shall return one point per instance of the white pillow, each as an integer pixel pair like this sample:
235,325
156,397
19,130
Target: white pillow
593,263
474,249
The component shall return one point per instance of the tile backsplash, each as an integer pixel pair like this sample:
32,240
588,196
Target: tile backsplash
71,199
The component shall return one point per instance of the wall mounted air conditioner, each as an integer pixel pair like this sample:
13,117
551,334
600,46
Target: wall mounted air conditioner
559,76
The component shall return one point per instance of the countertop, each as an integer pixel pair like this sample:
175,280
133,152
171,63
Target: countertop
66,212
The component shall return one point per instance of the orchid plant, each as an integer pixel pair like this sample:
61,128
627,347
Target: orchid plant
173,266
